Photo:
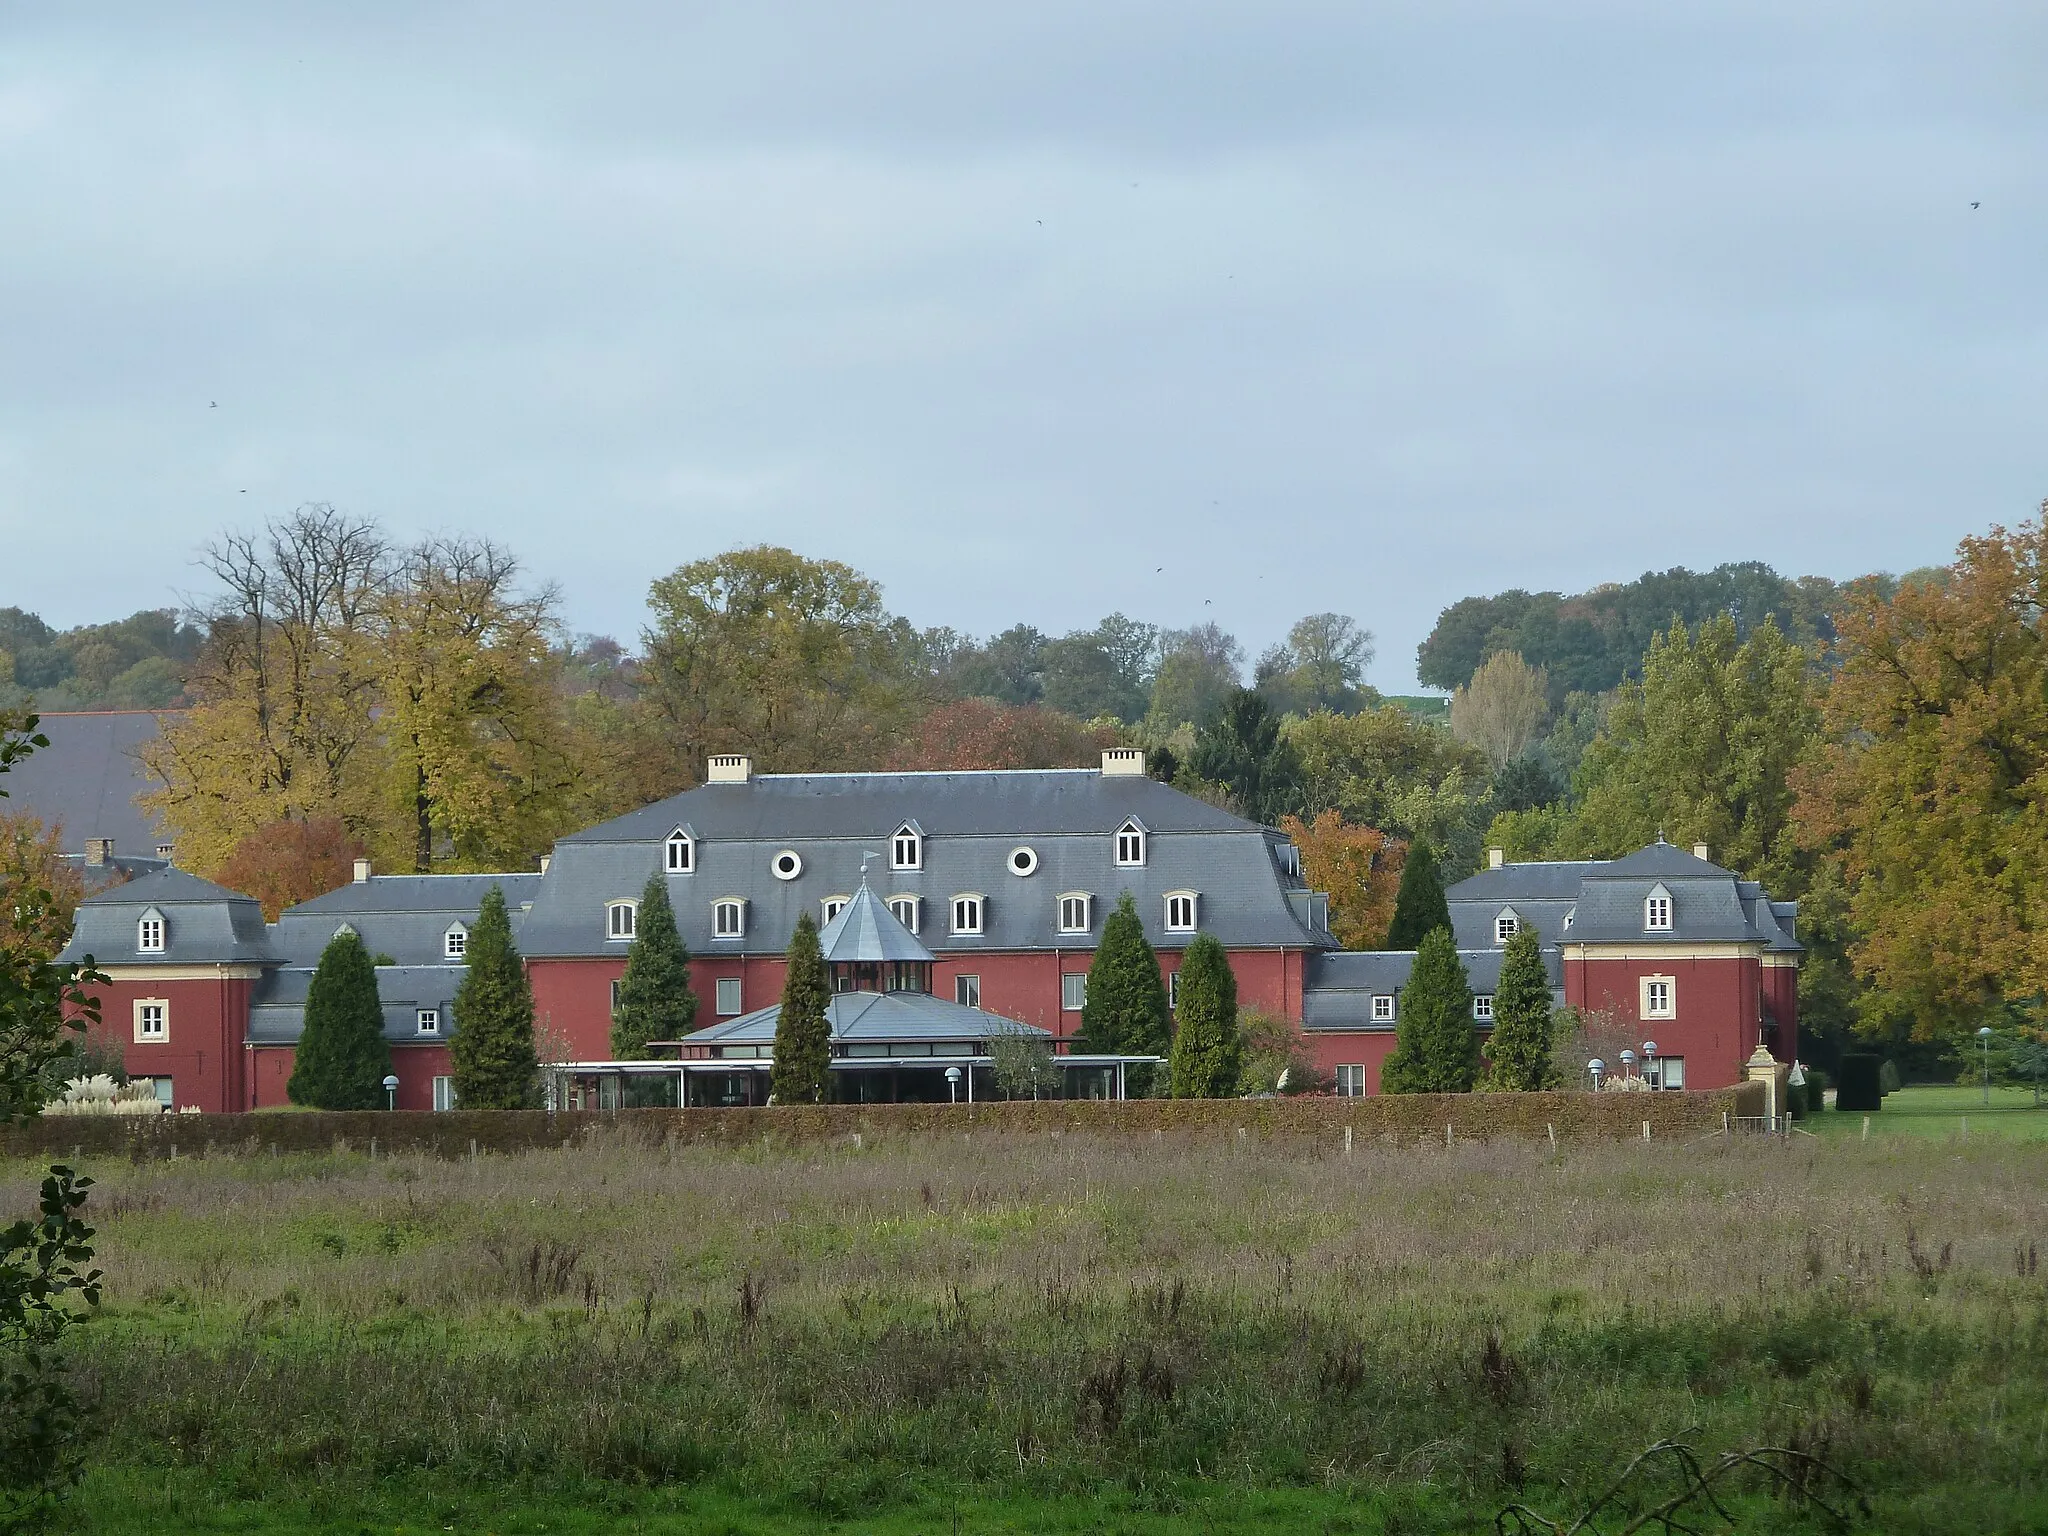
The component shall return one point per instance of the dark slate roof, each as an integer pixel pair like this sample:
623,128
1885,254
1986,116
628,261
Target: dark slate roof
865,929
204,924
403,916
87,778
277,1015
879,1018
1338,988
971,823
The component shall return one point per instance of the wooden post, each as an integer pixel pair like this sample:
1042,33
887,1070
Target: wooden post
1866,1127
1553,1134
1347,1141
1447,1135
1646,1130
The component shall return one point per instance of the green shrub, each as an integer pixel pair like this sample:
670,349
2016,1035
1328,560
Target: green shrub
1859,1089
1888,1080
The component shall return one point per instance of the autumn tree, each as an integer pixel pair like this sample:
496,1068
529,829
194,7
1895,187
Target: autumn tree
980,733
1435,1047
342,1057
1206,1042
1386,768
42,888
656,1001
802,1073
1359,867
1420,906
292,861
493,1055
1928,794
1502,710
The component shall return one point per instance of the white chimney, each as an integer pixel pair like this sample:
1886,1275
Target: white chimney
1699,851
1496,857
1123,763
731,768
362,871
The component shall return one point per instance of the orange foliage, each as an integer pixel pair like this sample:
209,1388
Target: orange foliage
42,887
292,861
979,733
1361,869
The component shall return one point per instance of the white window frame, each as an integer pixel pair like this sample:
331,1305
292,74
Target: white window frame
721,989
1351,1080
1022,862
970,904
1669,1068
1383,1007
1131,839
455,942
831,906
1071,903
914,905
729,918
1482,1007
906,847
618,990
1648,1007
1506,924
444,1094
967,990
1173,989
621,921
1183,921
785,864
152,933
427,1021
1657,911
146,1009
679,852
1073,991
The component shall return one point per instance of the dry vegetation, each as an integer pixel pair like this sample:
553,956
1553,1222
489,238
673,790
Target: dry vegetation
1032,1315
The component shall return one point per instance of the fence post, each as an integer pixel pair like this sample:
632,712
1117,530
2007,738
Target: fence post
1866,1128
1447,1135
1552,1129
1347,1141
1646,1130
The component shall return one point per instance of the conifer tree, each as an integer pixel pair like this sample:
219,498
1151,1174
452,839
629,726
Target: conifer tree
492,1052
803,1032
1520,1047
1419,905
1205,1043
655,1000
1126,1011
1435,1048
342,1058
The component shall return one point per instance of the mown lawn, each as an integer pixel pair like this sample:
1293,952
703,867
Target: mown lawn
1942,1110
1011,1333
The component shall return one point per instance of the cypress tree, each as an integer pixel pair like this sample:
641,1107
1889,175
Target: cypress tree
1205,1045
492,1052
1520,1047
1435,1047
342,1058
803,1033
1419,905
655,1000
1125,1011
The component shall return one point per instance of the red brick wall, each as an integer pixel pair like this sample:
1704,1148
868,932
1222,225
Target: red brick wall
415,1067
1368,1049
203,1054
1717,1002
1781,988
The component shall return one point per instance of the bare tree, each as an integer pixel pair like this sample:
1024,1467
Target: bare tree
1502,710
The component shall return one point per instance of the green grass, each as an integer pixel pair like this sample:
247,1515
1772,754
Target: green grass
1942,1110
1057,1333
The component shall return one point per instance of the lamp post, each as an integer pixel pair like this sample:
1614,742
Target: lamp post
391,1093
1628,1059
1650,1061
953,1084
1984,1039
1596,1066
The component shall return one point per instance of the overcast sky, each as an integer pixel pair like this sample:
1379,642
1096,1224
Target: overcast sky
1318,306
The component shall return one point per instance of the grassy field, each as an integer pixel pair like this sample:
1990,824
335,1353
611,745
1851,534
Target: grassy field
1056,1334
1943,1110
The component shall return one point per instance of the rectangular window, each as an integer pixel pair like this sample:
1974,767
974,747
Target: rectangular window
150,936
728,990
429,1021
679,851
1130,846
1180,912
1657,998
152,1021
904,852
1671,1071
832,906
1482,1007
1505,927
455,943
618,991
1657,912
1173,989
1074,914
1383,1008
161,1087
1351,1080
728,919
967,914
444,1093
1073,990
904,910
619,920
967,991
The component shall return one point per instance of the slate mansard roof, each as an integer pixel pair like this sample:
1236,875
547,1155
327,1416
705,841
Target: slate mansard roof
204,924
1338,989
404,916
970,824
1601,901
88,777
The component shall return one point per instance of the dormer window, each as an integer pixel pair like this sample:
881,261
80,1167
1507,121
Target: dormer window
906,848
428,1020
729,918
679,852
1130,844
1657,911
832,906
904,909
1506,925
345,930
1180,911
150,933
620,919
455,942
968,913
1075,912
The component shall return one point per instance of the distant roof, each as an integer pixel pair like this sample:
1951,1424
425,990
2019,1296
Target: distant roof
277,1013
87,778
875,1017
203,923
865,929
1338,988
403,916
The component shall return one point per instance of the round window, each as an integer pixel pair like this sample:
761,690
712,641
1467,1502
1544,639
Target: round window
787,864
1023,861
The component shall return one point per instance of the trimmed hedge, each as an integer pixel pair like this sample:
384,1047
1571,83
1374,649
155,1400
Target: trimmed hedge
1856,1085
1399,1118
